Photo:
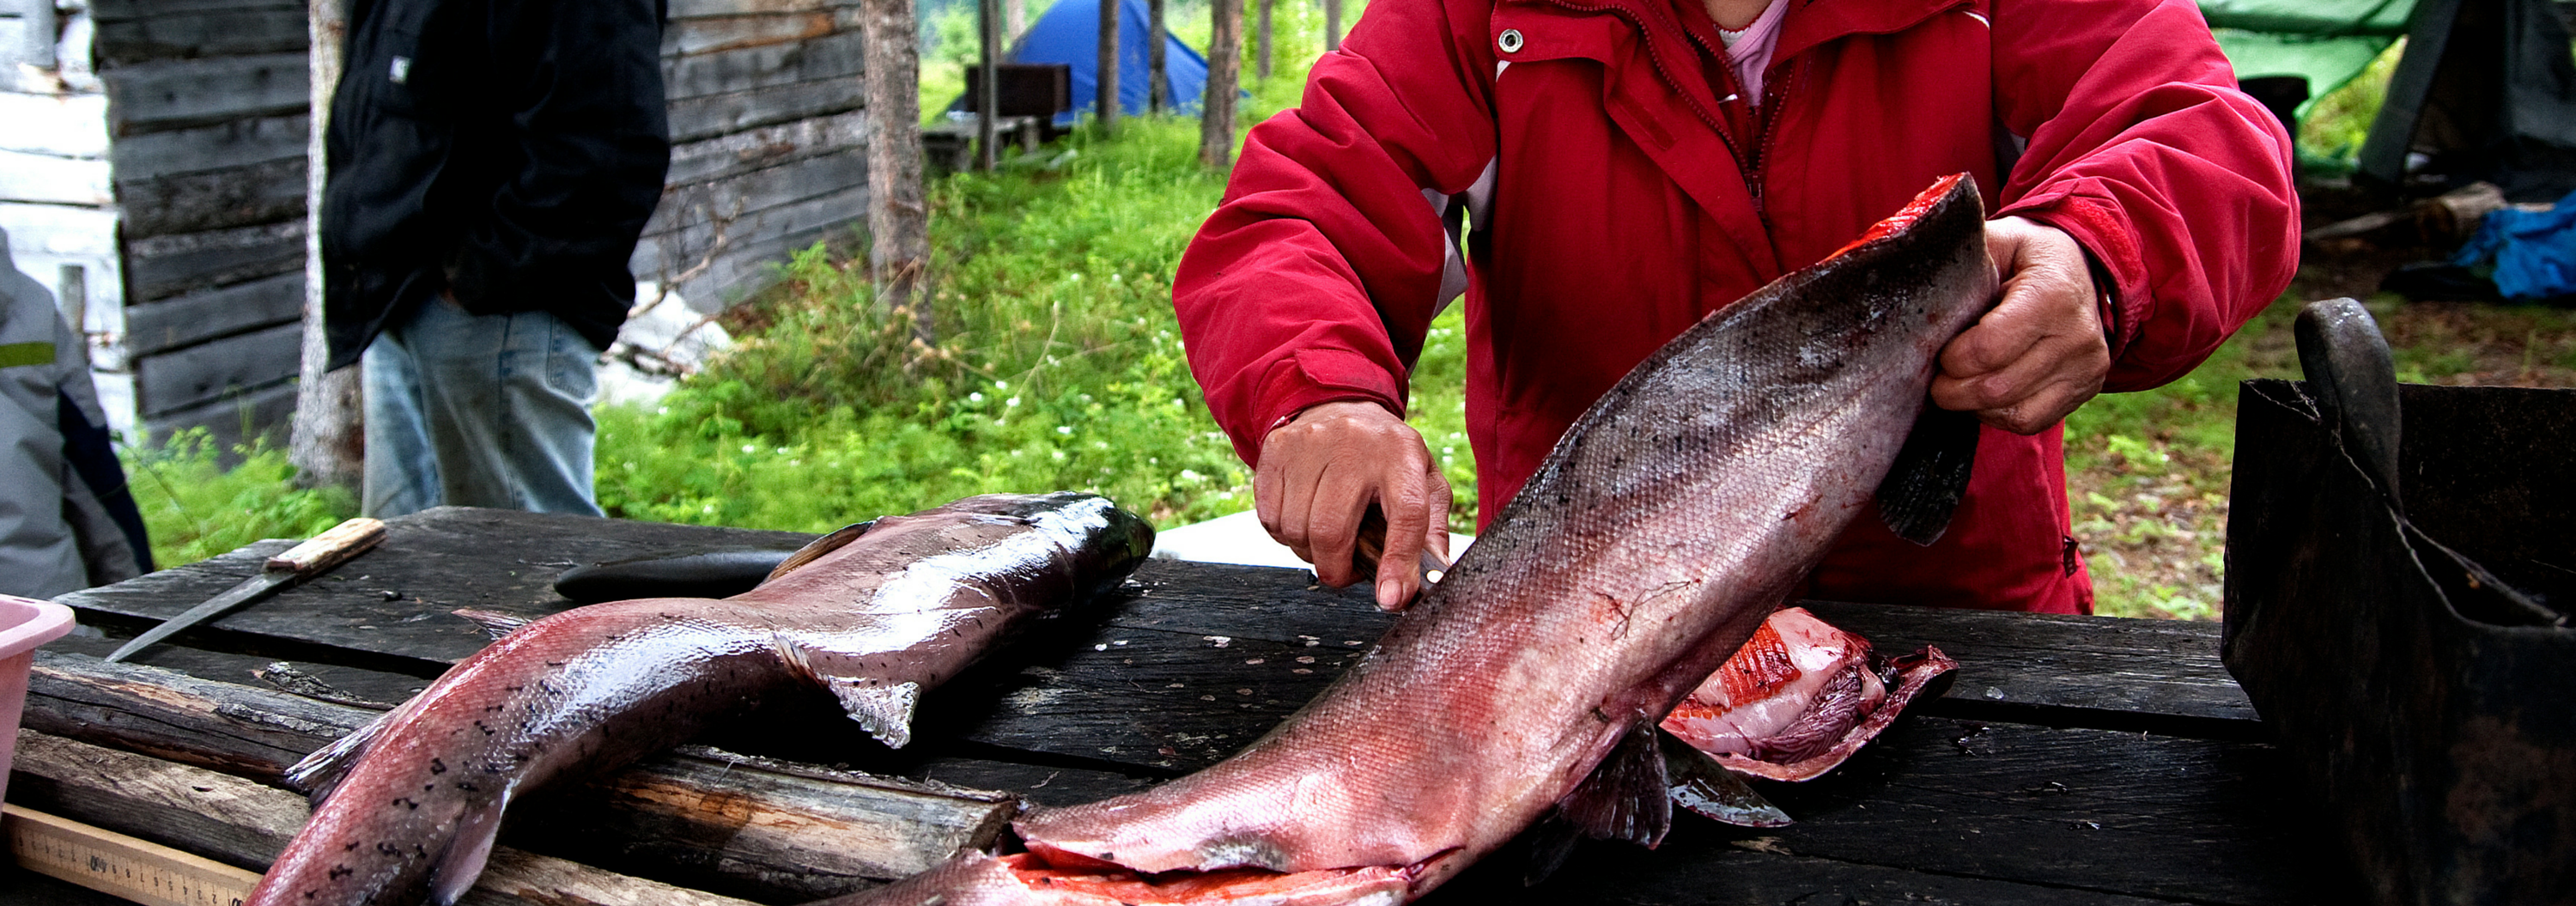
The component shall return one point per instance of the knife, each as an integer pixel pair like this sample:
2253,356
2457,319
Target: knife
303,561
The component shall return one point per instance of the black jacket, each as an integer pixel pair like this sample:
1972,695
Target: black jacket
508,149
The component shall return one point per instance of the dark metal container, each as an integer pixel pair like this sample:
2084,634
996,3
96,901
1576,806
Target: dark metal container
2433,720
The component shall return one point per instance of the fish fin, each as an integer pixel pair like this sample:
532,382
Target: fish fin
495,623
1549,844
321,772
466,854
1931,472
1625,798
1702,785
886,711
820,546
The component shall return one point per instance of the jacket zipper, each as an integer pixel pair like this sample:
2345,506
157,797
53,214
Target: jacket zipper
1774,93
1714,123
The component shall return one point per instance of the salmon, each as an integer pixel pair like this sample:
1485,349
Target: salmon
875,614
1799,698
1676,514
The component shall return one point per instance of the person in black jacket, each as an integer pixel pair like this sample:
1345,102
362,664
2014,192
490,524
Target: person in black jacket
491,163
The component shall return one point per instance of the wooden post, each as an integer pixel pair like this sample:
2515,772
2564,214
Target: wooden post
1332,25
1108,68
1225,73
898,217
988,16
1261,37
325,441
1158,86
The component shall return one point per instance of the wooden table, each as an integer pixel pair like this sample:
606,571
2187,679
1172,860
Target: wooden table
2076,759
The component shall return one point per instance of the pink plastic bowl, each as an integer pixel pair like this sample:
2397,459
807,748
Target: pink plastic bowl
24,624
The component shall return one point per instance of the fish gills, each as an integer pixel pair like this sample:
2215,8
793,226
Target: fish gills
1669,520
410,804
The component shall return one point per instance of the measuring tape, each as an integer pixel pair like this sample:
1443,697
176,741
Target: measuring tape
118,865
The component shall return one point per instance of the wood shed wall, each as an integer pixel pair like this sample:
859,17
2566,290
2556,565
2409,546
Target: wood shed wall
208,122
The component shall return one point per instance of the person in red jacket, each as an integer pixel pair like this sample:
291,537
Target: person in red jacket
1624,167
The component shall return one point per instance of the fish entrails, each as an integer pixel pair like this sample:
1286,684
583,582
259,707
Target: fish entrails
875,613
1676,514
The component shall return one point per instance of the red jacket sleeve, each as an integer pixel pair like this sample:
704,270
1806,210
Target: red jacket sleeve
1317,277
2141,147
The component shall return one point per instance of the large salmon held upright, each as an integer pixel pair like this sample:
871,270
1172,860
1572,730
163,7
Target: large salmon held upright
875,613
1670,520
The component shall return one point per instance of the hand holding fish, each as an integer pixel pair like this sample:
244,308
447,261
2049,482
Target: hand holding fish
1320,472
2040,353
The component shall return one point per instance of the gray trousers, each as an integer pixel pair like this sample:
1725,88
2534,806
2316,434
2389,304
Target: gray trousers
479,410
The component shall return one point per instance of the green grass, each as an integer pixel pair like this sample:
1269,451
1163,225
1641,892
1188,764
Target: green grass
194,507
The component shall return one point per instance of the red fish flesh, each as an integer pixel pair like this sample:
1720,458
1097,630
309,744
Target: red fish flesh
1798,698
875,614
1671,519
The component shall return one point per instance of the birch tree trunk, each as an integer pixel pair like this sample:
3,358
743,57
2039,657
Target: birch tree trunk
1108,68
325,441
898,218
1332,25
1015,19
1225,73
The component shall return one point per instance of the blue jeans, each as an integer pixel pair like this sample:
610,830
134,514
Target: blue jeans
479,410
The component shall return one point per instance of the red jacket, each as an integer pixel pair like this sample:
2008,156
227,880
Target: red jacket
1618,192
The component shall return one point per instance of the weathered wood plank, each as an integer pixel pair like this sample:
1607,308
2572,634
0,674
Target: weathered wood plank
258,194
700,118
153,327
244,824
221,146
173,94
755,826
712,34
705,9
63,125
234,419
768,146
169,381
158,267
761,190
755,243
830,56
47,179
128,10
210,33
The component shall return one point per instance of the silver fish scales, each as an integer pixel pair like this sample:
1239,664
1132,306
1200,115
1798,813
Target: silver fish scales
875,614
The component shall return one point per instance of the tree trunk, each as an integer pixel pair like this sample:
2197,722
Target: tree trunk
1108,68
988,19
1158,87
1225,73
325,442
1261,36
1015,19
898,218
1332,25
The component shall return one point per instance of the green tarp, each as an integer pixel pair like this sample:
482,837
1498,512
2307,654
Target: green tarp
2327,41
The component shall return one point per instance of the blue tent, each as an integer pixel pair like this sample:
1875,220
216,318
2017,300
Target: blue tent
1070,33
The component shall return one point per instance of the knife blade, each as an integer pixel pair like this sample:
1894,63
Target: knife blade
315,556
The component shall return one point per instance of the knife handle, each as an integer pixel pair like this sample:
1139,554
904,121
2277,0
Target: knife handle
329,549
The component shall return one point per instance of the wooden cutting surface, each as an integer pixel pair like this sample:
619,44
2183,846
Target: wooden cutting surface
2075,759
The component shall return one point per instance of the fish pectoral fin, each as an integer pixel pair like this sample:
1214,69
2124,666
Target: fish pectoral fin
1930,475
495,623
885,710
1702,785
814,550
466,853
1624,798
321,772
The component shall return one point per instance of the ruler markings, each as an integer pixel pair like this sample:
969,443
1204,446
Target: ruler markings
119,865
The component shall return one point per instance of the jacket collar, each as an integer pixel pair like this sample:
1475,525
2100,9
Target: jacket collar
1811,23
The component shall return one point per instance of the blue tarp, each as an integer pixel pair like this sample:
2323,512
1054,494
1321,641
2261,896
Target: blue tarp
2534,252
1070,33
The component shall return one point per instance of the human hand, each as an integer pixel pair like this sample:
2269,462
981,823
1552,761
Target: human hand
1322,471
2040,352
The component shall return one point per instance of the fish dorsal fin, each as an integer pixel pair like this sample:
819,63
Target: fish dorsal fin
467,852
321,772
885,710
495,623
1702,785
820,546
1625,798
1930,475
